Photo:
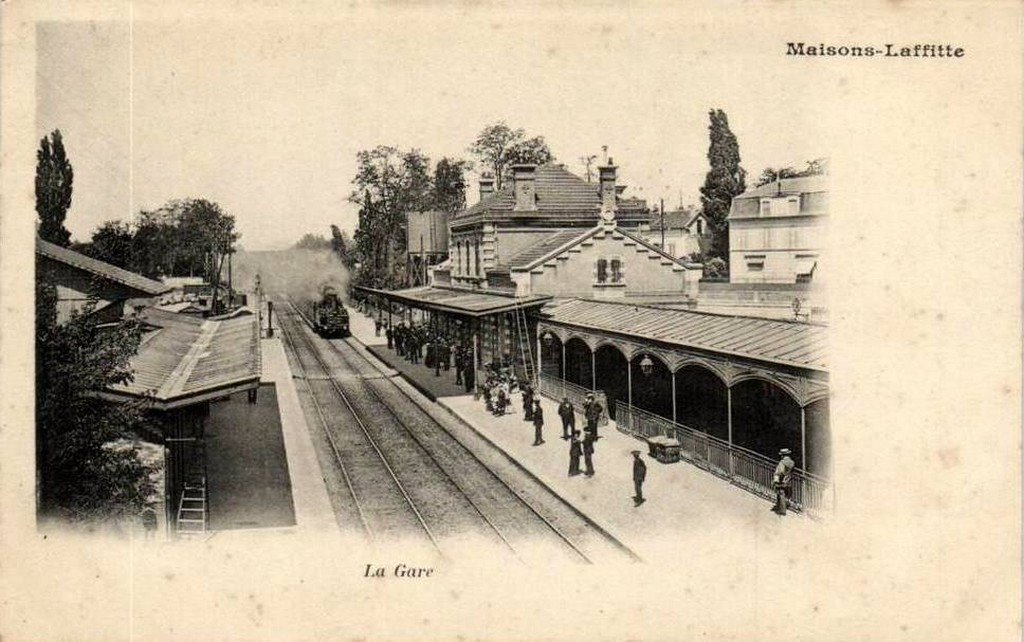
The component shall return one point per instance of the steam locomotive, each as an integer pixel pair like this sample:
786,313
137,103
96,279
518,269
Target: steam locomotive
329,316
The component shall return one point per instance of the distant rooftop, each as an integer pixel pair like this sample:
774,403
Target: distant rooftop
560,193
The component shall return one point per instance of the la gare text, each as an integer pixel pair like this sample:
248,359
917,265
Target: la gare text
399,570
870,51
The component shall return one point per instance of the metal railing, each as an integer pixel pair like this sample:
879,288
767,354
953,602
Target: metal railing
556,388
744,468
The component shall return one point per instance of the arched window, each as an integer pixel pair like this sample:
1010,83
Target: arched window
700,227
476,253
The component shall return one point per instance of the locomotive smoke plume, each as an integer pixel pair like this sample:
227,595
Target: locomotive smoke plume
299,273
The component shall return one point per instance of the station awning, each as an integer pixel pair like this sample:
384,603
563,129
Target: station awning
472,303
187,360
791,343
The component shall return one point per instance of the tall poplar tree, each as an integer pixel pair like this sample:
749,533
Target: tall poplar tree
724,180
54,178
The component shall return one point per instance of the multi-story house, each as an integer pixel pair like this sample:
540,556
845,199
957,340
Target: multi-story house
777,231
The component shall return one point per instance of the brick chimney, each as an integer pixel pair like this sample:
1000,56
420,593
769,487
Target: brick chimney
608,191
524,184
486,185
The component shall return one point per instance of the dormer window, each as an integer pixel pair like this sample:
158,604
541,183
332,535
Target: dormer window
780,206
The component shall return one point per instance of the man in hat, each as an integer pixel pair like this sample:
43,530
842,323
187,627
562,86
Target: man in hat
588,453
781,481
574,454
538,423
592,411
639,475
527,402
568,415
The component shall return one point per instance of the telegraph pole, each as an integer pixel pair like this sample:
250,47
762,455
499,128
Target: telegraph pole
662,225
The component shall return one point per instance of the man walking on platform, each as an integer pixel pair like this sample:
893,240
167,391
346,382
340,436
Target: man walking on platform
781,481
527,402
639,475
593,414
568,415
538,423
588,453
574,454
390,337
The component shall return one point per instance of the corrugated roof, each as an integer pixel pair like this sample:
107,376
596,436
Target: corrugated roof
187,356
785,342
143,285
470,302
559,193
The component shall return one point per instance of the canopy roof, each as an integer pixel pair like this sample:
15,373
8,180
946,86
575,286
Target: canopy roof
474,303
791,343
187,359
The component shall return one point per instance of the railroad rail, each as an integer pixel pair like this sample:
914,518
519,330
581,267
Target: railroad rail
369,487
492,498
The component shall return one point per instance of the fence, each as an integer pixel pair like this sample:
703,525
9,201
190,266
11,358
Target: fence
744,468
556,388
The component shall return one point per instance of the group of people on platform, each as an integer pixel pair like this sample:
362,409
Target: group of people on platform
419,344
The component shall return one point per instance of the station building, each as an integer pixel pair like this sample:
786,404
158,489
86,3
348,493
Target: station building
547,234
559,273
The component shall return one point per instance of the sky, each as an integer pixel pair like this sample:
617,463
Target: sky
266,116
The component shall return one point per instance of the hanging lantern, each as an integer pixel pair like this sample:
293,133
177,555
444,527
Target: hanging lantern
549,339
646,365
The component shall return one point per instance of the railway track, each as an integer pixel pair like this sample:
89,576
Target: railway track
452,488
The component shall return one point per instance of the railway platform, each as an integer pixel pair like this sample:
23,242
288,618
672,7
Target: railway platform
312,506
685,507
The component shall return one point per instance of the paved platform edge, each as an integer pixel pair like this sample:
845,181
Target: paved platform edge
451,412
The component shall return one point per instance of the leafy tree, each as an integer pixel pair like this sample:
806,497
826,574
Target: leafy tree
54,179
499,147
113,242
311,241
449,185
343,247
715,268
388,184
770,175
86,475
725,180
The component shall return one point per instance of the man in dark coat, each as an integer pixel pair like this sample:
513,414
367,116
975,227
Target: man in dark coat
538,423
575,450
446,356
458,366
593,413
781,480
588,454
468,375
527,402
639,475
390,337
568,415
